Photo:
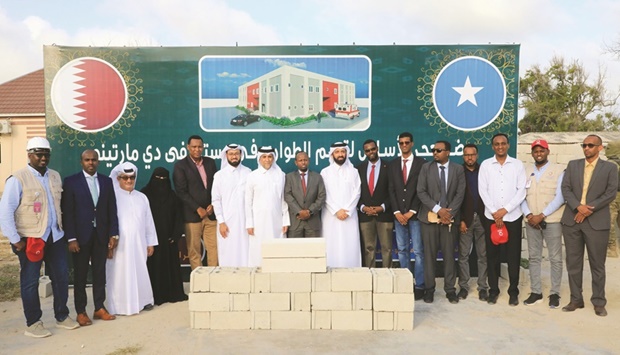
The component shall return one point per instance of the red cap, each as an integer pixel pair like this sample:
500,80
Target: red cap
35,248
499,235
541,142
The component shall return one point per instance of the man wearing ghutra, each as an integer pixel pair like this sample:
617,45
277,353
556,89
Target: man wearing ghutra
228,199
340,221
266,212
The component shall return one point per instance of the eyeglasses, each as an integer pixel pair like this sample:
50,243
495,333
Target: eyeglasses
41,155
370,150
404,143
438,150
589,145
125,177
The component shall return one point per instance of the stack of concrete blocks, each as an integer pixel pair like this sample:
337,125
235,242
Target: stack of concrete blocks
294,290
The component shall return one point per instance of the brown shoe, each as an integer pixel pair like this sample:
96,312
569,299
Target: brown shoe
83,320
572,306
600,311
103,314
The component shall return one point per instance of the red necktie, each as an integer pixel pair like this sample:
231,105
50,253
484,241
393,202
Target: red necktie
303,183
405,170
371,180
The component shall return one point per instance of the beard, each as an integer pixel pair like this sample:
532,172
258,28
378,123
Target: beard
234,163
340,160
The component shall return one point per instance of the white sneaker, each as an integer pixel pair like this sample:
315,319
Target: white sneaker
68,323
37,330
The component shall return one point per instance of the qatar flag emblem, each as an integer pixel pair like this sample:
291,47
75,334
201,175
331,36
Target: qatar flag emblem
89,94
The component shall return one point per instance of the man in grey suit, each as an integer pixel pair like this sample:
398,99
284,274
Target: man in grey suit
304,192
589,186
441,189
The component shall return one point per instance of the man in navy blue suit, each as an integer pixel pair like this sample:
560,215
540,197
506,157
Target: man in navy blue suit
91,227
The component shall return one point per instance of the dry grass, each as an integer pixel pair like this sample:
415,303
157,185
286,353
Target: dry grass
128,350
9,282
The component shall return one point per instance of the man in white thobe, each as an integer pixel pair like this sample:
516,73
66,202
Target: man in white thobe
340,223
227,197
127,278
266,211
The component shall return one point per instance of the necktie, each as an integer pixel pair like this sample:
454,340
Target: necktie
371,180
443,199
405,170
303,182
587,176
93,189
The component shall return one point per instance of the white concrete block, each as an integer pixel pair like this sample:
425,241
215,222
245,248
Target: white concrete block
382,280
362,300
200,320
321,281
393,302
300,301
403,320
352,320
329,301
231,320
294,265
383,320
239,301
403,280
45,287
291,282
199,279
261,282
262,320
230,279
209,301
321,319
270,302
291,320
351,279
293,248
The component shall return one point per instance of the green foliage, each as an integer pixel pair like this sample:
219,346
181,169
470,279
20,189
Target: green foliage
562,99
287,122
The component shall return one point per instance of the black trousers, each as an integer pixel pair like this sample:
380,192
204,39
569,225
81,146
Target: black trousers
95,253
512,250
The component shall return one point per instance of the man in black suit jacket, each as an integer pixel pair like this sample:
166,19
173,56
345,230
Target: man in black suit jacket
403,180
374,213
304,207
91,227
193,180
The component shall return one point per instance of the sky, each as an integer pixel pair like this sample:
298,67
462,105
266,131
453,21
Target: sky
573,29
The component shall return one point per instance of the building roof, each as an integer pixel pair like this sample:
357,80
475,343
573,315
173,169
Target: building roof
566,137
24,95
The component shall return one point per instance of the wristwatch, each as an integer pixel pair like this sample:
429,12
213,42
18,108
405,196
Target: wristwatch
114,237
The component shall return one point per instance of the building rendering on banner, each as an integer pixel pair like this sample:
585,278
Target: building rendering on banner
293,92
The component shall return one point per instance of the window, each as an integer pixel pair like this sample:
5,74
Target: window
335,91
311,107
310,88
277,87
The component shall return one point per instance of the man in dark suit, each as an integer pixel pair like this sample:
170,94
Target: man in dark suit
441,189
374,213
403,180
304,192
589,186
91,227
193,180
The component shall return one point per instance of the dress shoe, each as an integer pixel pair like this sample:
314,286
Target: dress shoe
148,307
600,311
429,296
483,295
513,300
492,298
103,314
418,293
572,306
83,320
463,294
451,296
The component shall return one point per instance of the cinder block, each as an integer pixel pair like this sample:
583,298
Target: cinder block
261,282
230,279
352,320
392,302
199,279
321,281
403,320
45,287
262,320
351,279
239,301
231,320
403,281
200,320
321,319
300,301
294,265
291,320
382,280
270,302
383,320
209,301
329,301
291,282
293,248
362,300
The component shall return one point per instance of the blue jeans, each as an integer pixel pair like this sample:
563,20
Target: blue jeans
55,258
408,237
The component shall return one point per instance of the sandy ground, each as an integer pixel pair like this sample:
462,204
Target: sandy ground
471,326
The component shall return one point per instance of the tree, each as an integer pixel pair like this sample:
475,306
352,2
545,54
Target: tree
561,99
